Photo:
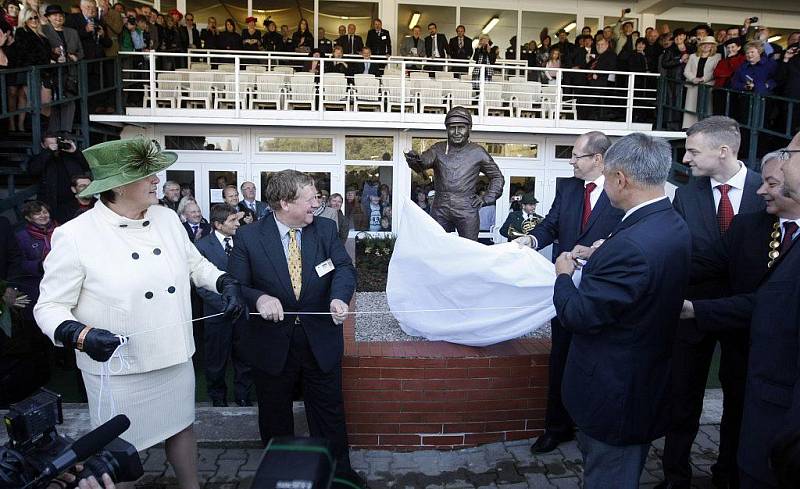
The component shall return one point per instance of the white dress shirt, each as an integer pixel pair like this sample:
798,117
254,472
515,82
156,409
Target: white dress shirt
736,191
221,238
636,208
595,195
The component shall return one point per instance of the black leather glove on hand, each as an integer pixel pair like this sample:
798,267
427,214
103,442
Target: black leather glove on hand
99,344
233,303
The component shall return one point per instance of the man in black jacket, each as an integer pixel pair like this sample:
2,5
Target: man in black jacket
435,47
189,33
56,165
788,75
378,39
460,48
90,30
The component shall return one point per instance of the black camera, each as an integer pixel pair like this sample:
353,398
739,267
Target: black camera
131,20
63,144
36,453
753,20
627,10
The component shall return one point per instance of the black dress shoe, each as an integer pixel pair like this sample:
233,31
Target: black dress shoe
548,442
219,403
243,403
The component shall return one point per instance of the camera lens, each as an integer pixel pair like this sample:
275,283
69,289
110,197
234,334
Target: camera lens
627,10
753,20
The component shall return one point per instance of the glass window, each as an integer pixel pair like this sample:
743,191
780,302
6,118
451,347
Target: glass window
511,150
368,197
217,181
421,144
443,17
333,14
186,180
322,180
368,148
202,143
475,20
563,152
533,23
295,145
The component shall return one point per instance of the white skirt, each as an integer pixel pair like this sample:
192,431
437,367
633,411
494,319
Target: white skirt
159,403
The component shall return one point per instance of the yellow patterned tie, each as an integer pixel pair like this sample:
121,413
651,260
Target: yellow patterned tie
295,264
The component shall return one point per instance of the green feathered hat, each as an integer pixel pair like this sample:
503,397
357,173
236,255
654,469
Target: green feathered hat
117,163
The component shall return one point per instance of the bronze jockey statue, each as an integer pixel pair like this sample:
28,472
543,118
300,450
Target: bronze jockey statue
456,166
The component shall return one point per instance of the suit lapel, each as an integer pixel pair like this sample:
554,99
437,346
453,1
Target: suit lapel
705,201
273,251
308,254
751,202
599,208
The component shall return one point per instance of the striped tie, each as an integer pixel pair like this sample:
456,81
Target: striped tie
295,263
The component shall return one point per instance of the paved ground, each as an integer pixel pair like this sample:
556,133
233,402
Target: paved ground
498,465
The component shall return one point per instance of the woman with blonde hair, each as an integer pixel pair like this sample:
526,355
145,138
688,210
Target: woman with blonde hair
31,48
699,71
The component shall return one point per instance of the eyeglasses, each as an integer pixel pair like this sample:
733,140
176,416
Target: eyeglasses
577,157
787,153
34,18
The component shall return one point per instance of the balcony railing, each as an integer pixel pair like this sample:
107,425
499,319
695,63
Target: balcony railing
259,86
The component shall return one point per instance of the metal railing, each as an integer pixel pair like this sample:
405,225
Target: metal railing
767,122
401,89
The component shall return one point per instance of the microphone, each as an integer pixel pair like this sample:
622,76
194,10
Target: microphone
87,445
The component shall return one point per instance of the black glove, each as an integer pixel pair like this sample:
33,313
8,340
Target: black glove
99,344
233,303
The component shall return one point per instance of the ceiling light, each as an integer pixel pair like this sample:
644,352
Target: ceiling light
570,26
414,20
490,25
774,39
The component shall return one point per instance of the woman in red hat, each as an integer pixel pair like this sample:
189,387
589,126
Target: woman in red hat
251,37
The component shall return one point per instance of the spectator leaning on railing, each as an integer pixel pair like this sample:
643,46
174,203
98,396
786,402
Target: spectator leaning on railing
757,75
31,48
734,58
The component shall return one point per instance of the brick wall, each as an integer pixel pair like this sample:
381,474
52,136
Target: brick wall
421,395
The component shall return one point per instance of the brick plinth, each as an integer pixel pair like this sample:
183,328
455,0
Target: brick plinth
407,395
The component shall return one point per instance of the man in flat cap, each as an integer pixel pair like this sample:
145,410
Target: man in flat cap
457,164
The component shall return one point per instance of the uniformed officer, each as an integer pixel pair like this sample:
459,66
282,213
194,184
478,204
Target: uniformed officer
378,39
523,220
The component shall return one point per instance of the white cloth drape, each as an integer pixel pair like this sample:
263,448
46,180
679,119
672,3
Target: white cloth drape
498,292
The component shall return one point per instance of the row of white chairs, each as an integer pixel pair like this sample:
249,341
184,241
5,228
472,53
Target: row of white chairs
280,90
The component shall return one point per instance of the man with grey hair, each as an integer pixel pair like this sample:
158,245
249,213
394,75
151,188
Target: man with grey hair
722,187
172,195
622,315
580,215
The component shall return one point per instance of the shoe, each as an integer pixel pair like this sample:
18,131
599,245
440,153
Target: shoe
548,442
219,403
244,403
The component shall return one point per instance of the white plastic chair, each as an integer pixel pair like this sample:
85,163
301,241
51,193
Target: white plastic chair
200,66
227,67
444,75
269,91
493,99
527,101
301,91
431,97
366,92
200,90
168,90
334,89
392,92
256,68
461,95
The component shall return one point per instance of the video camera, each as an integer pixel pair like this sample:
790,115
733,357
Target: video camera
63,143
36,453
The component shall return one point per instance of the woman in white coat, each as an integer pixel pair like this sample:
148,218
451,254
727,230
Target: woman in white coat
118,279
699,71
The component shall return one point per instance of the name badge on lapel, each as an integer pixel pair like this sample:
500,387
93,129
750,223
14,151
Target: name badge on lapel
324,268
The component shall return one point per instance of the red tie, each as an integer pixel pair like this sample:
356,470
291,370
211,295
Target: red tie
725,209
587,204
789,228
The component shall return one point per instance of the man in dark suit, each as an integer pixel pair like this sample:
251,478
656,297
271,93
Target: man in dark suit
189,33
771,402
379,40
460,48
219,331
90,30
249,203
351,43
516,220
435,47
325,44
580,215
605,60
622,316
230,196
195,225
292,261
366,66
722,188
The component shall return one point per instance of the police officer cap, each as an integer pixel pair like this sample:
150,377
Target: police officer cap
458,115
529,198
